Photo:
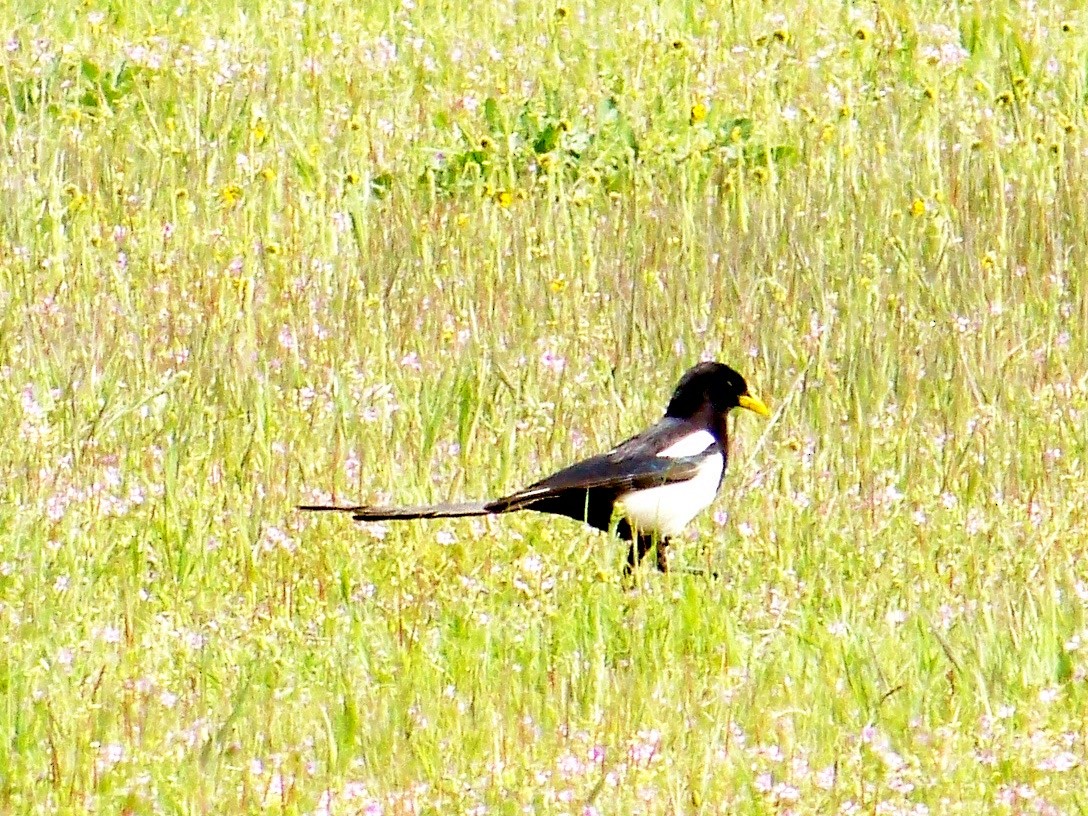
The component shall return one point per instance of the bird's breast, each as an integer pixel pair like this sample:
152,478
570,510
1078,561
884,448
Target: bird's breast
667,509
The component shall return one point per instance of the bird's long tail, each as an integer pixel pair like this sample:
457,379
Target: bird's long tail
363,512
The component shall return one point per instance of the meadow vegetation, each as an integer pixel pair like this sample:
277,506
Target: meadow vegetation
409,251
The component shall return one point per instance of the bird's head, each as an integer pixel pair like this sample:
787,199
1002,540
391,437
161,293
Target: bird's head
715,386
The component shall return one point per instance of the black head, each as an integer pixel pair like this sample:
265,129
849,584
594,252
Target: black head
713,386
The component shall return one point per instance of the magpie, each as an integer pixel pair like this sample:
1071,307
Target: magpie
646,489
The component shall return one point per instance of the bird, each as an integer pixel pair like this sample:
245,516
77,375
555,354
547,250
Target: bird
646,489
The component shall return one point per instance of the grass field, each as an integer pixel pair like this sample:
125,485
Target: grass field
412,251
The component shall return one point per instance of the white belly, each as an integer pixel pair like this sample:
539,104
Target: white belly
666,510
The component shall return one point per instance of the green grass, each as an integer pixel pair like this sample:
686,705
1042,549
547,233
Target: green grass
410,252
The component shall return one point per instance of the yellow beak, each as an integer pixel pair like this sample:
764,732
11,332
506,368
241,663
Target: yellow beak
754,404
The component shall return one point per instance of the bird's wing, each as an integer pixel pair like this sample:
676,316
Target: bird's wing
635,464
600,473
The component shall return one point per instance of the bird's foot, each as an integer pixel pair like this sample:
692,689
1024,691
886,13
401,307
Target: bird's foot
709,574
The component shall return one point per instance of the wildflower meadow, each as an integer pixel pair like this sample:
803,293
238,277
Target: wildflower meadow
261,255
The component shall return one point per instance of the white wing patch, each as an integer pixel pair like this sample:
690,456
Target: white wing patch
690,445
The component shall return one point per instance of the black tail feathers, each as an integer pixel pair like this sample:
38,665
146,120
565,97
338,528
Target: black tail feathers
363,512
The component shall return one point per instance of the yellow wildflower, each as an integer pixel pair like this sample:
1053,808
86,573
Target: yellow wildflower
230,194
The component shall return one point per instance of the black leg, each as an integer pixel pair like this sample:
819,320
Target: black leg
632,560
640,546
663,555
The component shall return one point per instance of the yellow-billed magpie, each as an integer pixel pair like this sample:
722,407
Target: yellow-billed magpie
647,488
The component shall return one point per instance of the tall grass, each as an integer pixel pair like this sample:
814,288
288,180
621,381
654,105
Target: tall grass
400,252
